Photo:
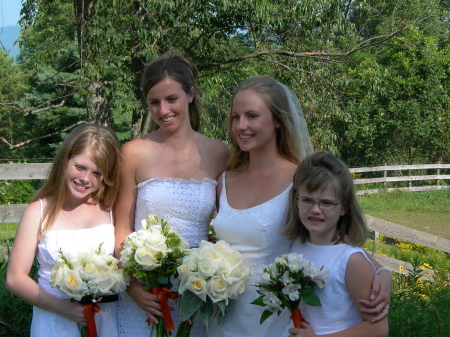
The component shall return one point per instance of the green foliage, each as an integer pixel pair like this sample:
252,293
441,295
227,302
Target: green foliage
420,307
15,314
16,191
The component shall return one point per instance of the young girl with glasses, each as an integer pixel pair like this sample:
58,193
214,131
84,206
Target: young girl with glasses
328,228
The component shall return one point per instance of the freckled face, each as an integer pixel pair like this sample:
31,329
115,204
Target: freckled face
169,104
83,176
253,125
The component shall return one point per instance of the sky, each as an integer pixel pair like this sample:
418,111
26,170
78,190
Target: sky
10,12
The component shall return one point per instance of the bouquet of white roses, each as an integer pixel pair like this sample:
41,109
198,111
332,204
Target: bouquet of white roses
286,282
210,275
152,256
87,277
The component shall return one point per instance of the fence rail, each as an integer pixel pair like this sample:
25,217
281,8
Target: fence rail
12,213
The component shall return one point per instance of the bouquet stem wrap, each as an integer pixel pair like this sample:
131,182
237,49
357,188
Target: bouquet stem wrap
89,311
164,294
297,318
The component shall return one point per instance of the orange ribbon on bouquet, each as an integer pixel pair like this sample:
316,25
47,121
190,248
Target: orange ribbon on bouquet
89,311
164,294
297,318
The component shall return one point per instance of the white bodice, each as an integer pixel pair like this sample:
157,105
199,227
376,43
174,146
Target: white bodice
73,242
255,232
187,206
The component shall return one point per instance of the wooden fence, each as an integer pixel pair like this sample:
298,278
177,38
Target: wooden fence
12,213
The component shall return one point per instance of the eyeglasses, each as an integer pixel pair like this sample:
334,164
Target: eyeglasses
323,204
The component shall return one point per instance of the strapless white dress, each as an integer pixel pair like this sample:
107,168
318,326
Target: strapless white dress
187,206
255,233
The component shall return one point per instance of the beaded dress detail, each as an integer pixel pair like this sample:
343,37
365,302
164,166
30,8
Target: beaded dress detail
187,206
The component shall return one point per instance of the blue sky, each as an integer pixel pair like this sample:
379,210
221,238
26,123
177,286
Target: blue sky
10,12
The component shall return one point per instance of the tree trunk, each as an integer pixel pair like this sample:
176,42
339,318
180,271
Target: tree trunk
97,104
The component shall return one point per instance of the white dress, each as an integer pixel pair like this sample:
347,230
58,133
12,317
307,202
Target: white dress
47,324
338,311
255,233
187,206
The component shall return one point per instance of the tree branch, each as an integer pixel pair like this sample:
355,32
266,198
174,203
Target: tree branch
41,137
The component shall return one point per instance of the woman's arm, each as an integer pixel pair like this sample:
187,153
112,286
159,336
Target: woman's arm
20,261
124,215
358,278
380,294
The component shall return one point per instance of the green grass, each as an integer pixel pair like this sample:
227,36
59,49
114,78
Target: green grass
427,211
7,231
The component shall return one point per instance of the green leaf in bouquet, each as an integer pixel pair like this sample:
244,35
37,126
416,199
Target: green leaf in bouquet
189,305
312,299
265,315
223,308
207,311
259,301
163,279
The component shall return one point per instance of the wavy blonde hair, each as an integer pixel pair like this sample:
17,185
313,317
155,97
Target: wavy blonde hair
274,96
103,147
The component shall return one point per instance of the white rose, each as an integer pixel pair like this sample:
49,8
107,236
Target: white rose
234,258
235,289
207,268
73,285
205,245
197,285
222,248
153,218
121,281
236,274
144,224
206,254
224,266
184,244
145,258
105,280
58,274
88,271
156,243
217,289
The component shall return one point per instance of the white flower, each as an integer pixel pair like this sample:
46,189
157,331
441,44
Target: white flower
235,258
58,273
286,279
156,242
223,249
197,285
272,302
217,289
320,278
105,280
291,290
235,289
237,274
88,271
295,261
145,258
72,285
153,218
207,268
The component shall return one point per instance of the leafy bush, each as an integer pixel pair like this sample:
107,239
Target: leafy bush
17,191
15,314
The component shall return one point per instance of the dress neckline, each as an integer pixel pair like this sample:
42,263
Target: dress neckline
178,180
77,230
224,192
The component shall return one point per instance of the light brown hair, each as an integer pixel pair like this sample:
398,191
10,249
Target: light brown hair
316,172
104,149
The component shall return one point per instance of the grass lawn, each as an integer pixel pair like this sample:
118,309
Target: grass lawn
427,211
7,231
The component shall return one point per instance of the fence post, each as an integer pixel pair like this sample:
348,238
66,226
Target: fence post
438,173
385,176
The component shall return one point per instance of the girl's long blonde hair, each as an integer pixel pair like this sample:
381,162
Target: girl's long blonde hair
104,149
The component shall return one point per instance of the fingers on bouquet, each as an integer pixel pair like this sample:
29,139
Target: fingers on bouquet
287,281
210,276
152,255
86,278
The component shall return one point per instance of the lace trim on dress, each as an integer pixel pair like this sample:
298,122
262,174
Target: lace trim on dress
179,180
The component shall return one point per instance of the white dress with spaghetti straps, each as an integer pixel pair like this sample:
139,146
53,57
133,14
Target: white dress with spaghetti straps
187,206
255,232
47,324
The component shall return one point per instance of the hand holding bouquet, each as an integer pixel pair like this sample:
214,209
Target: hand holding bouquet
86,277
210,275
152,255
286,282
